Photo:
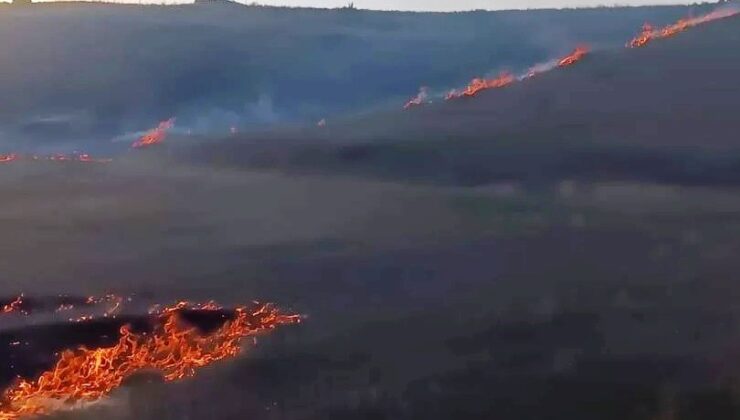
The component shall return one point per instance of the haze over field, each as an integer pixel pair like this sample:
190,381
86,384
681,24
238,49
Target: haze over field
96,76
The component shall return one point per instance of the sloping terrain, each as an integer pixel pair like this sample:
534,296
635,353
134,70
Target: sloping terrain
664,113
84,75
561,249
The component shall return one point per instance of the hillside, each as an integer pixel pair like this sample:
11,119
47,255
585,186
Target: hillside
78,75
662,113
562,248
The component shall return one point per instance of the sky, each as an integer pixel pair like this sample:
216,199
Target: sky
434,5
456,5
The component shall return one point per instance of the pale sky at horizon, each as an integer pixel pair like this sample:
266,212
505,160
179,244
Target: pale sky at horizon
436,5
461,5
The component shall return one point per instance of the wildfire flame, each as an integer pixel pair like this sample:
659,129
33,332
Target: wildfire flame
155,135
649,33
114,302
505,79
173,349
421,98
478,84
13,306
574,57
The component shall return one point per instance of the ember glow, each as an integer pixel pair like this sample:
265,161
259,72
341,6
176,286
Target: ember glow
8,158
114,305
14,306
155,135
649,33
503,79
420,99
575,56
174,349
479,84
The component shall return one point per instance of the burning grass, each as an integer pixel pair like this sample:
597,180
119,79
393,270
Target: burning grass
479,84
14,306
504,79
156,135
649,33
174,348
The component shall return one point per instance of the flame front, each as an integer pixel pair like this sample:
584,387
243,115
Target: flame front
155,135
649,33
574,57
173,349
478,84
504,79
13,306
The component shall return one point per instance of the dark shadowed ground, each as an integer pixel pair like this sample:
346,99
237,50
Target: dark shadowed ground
565,249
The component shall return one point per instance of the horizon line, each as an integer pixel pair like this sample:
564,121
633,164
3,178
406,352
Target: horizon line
350,7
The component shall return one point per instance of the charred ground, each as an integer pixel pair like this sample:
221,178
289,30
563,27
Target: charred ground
469,260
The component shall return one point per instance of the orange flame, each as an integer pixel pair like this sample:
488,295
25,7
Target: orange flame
114,301
478,84
504,79
154,136
649,34
574,57
14,306
175,350
114,305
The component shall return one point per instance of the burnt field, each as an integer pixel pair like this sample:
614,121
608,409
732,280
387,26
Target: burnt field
560,249
583,299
